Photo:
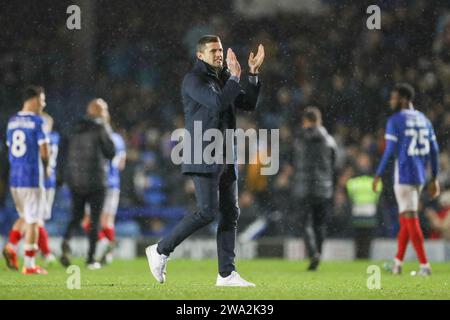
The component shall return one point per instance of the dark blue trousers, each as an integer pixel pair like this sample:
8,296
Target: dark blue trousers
217,196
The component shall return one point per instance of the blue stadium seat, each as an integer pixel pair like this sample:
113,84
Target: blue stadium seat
128,229
155,182
55,228
154,198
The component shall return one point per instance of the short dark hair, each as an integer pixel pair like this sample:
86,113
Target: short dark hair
32,92
405,90
206,39
312,114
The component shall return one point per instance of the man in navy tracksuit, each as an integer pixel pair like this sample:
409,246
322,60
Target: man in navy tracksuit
211,94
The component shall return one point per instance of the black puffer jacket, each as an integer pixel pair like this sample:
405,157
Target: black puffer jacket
89,148
314,162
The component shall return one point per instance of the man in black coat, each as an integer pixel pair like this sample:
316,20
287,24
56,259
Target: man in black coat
314,163
89,149
211,93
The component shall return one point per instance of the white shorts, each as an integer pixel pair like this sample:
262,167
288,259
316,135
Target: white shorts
30,203
407,197
49,199
110,204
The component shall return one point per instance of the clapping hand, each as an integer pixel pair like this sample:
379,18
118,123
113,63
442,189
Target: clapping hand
255,61
233,64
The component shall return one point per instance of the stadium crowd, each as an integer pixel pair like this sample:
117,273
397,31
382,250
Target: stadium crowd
311,60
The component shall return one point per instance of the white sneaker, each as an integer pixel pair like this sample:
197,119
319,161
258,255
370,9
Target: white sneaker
50,259
424,271
397,268
233,280
94,266
157,263
109,257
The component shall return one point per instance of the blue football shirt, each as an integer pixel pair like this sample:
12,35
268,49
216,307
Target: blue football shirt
414,136
50,182
25,133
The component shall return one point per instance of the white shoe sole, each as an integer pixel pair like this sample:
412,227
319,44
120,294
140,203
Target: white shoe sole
95,267
149,260
236,285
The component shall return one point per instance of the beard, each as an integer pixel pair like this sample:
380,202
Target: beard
217,69
218,65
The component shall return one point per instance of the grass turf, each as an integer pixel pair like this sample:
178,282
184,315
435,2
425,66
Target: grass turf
190,279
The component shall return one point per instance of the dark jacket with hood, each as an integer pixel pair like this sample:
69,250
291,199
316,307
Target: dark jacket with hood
88,152
211,99
314,162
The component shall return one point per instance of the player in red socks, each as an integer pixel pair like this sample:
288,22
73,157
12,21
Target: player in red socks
410,230
10,250
410,138
106,235
28,153
50,188
16,234
18,229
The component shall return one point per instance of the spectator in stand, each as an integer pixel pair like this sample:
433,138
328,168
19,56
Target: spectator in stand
440,221
441,50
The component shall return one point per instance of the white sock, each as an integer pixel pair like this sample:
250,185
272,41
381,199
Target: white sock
397,262
49,256
29,260
102,246
425,266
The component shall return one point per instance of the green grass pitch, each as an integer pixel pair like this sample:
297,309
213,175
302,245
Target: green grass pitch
191,279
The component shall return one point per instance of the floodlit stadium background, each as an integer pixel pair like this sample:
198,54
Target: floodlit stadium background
317,53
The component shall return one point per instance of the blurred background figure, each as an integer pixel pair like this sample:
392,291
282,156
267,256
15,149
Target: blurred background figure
4,173
89,149
441,50
106,236
28,153
363,205
440,220
50,188
315,160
